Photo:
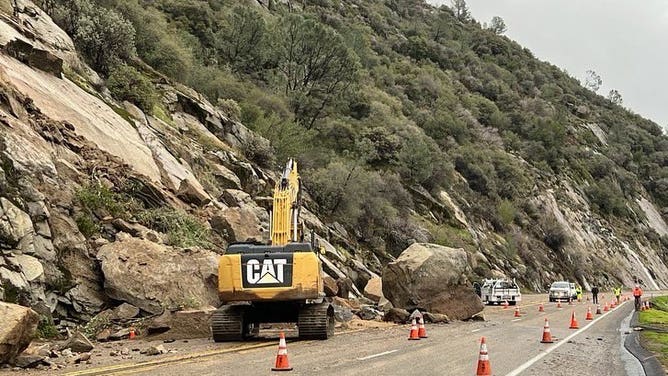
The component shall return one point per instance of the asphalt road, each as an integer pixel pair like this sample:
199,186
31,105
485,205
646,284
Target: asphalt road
451,349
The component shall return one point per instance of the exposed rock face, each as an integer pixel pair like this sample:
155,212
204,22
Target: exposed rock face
35,57
153,277
14,223
17,330
433,278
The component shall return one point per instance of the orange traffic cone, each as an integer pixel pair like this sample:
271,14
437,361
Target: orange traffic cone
282,363
541,308
589,315
559,304
484,368
132,334
414,332
505,304
517,312
606,308
598,309
570,301
547,335
574,322
422,332
612,304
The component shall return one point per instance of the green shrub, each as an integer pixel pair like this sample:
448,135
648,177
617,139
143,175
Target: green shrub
102,35
99,200
86,224
182,229
46,329
128,84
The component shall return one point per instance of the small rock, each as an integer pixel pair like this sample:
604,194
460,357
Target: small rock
397,315
114,353
435,318
66,353
78,343
125,351
155,350
168,341
103,336
82,358
121,334
369,313
29,361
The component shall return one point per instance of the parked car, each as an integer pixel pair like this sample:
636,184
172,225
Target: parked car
562,290
498,291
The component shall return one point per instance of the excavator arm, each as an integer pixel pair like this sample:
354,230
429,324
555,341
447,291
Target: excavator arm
285,226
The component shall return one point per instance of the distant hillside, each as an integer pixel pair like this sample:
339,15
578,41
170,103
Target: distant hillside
411,124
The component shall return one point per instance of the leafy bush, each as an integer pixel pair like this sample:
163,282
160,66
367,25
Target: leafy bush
128,84
102,35
46,329
182,229
99,200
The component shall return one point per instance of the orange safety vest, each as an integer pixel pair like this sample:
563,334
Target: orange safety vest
637,291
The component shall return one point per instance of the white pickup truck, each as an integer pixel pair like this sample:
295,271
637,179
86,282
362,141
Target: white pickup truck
562,290
499,291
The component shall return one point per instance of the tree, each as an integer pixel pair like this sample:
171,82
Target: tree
593,81
315,66
101,35
615,97
461,10
497,25
128,84
241,41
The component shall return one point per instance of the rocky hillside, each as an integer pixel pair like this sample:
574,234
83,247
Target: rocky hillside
126,170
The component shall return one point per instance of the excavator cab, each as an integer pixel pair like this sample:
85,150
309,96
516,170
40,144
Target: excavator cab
278,282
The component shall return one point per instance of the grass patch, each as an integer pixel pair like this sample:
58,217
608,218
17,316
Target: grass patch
656,341
182,229
97,199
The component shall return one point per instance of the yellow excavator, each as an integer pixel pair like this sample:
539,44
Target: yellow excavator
279,282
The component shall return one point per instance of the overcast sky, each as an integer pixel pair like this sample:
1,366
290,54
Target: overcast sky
624,41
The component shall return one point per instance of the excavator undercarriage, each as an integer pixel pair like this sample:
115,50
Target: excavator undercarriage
240,321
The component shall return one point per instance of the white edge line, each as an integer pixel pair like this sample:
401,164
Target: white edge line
475,330
377,355
538,357
516,320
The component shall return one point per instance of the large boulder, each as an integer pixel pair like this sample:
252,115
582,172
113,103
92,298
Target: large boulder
153,277
374,289
433,278
237,224
17,330
192,192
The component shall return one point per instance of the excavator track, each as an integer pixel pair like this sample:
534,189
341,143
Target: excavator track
316,321
227,324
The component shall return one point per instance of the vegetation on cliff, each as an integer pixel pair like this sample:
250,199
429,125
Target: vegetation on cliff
386,103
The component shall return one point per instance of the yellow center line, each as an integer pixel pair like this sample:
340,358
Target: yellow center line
129,368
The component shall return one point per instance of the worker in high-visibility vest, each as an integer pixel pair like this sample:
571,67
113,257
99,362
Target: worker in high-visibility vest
618,293
637,294
578,292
